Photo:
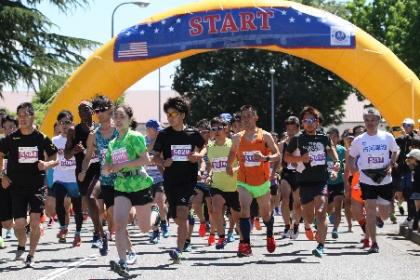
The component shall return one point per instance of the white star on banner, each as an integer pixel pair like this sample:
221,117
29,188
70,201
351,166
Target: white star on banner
283,12
156,30
292,20
149,24
178,20
308,20
171,29
299,13
142,32
163,22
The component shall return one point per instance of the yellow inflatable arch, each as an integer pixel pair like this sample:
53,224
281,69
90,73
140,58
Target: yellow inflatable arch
281,26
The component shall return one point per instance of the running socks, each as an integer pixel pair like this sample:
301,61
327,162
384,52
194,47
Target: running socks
245,226
270,225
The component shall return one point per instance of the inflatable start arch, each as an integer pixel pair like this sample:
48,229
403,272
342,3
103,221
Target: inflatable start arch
280,26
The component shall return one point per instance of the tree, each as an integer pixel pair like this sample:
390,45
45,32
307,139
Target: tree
31,54
395,23
224,80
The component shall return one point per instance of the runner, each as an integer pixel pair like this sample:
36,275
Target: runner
152,129
179,149
76,147
30,153
126,157
377,152
255,149
223,187
9,125
288,184
312,176
335,182
65,183
413,161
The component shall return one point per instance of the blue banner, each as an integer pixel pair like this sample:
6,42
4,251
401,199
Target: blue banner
291,27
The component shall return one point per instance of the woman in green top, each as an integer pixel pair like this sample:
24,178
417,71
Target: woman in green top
126,157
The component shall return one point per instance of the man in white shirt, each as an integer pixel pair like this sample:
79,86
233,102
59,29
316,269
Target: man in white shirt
376,153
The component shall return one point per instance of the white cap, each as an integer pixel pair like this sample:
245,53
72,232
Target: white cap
408,121
414,153
372,112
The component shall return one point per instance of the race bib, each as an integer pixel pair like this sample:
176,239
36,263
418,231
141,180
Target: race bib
180,152
317,158
219,164
67,164
151,168
119,156
28,154
250,160
379,160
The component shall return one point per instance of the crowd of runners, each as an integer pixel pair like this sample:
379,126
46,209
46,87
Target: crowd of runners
225,172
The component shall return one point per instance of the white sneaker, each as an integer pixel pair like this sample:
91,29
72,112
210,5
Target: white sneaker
410,224
294,233
407,223
131,258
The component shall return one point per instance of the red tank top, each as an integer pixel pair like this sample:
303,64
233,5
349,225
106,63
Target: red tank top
253,172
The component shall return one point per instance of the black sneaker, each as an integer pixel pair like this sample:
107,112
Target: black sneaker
29,262
374,248
104,250
379,222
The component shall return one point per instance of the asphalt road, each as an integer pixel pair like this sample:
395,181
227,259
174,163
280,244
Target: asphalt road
344,258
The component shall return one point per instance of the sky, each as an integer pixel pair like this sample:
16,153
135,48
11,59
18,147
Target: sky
94,22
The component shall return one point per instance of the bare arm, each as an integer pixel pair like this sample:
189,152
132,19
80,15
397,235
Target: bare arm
232,154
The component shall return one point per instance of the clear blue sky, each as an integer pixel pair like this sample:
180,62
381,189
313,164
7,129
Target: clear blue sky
94,22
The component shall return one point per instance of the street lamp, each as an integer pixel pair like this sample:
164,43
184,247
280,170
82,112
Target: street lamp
140,4
272,71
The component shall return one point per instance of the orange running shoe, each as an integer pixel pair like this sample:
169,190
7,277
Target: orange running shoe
271,244
309,233
43,218
77,241
257,224
366,243
244,250
202,230
211,240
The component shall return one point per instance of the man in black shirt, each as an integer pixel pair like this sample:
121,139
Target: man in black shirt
312,172
30,153
179,149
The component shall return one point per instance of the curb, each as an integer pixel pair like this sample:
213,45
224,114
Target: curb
410,234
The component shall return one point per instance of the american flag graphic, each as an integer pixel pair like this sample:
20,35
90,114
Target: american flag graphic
288,27
133,50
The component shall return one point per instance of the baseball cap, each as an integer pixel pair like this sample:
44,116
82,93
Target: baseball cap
371,112
414,153
226,117
408,121
292,120
152,123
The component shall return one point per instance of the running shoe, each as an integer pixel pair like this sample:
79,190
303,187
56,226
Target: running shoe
43,218
155,237
76,241
244,250
165,230
175,255
202,230
8,234
230,237
285,234
295,232
393,218
334,233
96,241
271,244
131,258
29,262
187,246
104,249
19,254
318,251
309,233
379,222
257,224
277,211
2,243
51,222
366,243
61,235
211,240
374,248
121,268
221,243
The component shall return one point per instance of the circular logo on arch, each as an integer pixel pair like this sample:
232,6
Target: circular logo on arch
340,35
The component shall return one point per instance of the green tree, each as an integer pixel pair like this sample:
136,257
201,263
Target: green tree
395,23
29,52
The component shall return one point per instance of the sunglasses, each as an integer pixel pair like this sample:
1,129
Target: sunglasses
309,121
217,128
172,114
407,125
101,110
204,131
65,122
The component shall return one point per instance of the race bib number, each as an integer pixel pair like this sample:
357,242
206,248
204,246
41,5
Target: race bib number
317,158
250,160
119,156
219,164
180,152
375,160
67,164
151,168
28,154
